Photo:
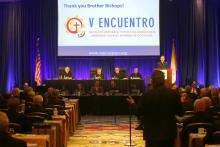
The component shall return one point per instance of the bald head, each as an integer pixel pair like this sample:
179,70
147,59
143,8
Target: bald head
38,100
16,92
31,94
4,122
200,105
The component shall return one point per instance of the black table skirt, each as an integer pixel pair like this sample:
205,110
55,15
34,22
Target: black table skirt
104,105
125,86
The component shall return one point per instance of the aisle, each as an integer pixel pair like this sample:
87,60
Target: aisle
105,131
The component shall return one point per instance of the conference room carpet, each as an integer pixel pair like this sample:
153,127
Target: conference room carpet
105,131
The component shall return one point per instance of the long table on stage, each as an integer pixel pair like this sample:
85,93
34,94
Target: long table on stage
125,86
105,104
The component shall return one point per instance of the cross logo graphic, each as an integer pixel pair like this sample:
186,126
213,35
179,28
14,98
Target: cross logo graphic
75,26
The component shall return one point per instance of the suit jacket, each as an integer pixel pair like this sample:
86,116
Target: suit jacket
67,75
138,75
162,65
7,141
97,77
118,76
19,118
158,108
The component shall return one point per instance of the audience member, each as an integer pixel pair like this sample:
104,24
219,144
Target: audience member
55,99
187,103
5,139
113,89
14,115
201,115
97,89
30,96
3,100
37,105
16,93
194,89
80,89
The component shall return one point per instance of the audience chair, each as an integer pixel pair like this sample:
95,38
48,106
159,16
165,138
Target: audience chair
189,113
44,115
4,110
216,137
32,119
193,128
16,127
49,110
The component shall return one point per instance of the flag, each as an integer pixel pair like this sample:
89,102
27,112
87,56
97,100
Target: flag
173,63
38,66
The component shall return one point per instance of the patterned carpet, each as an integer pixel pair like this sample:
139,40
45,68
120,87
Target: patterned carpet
105,131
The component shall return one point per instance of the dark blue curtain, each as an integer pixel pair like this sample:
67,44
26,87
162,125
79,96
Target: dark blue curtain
193,24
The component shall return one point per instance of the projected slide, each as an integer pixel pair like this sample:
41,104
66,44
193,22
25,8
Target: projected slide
108,27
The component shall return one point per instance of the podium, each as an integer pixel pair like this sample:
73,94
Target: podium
168,75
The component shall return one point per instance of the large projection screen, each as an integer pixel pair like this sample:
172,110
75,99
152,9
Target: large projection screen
108,28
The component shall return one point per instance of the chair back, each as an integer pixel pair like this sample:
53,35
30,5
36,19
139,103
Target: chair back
32,119
193,128
4,110
92,72
216,137
189,112
44,115
60,71
15,126
49,110
59,107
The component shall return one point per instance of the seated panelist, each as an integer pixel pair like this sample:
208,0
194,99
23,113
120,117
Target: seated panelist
135,74
67,73
98,75
117,75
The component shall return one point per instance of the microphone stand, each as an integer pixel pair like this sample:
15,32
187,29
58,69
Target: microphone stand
130,143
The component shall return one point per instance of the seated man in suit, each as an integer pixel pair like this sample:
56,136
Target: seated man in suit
117,75
80,89
14,116
38,106
96,89
135,74
5,139
98,75
67,73
162,64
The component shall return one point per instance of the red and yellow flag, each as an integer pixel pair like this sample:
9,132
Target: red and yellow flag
173,63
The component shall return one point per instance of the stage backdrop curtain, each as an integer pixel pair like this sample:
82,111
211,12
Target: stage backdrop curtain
193,24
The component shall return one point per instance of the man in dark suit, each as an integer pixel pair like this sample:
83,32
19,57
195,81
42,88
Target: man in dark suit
162,64
67,73
5,139
117,75
158,108
14,116
37,105
135,74
98,75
